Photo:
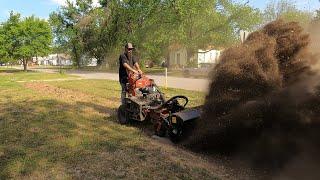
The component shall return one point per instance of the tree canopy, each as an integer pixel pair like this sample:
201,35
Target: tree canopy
22,39
286,10
154,26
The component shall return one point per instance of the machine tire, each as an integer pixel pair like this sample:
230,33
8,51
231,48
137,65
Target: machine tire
122,115
175,134
175,138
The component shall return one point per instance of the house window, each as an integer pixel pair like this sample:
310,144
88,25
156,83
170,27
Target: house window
178,58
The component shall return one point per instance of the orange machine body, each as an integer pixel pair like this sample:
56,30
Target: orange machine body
137,81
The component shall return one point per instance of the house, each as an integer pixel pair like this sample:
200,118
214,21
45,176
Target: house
244,35
178,58
92,62
208,57
53,59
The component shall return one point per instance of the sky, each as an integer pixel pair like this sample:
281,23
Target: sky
39,8
301,4
42,8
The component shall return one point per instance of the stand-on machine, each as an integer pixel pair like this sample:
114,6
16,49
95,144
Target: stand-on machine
144,101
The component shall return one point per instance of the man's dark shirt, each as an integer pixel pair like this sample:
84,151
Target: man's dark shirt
123,75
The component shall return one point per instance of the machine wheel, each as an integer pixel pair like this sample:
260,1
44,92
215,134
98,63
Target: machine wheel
175,133
122,115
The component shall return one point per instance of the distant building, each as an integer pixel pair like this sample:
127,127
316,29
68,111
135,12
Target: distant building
92,62
208,57
178,57
53,60
244,35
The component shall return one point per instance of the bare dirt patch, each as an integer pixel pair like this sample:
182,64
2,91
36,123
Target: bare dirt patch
72,96
56,91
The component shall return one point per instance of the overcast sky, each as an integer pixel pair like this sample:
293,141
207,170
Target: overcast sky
42,8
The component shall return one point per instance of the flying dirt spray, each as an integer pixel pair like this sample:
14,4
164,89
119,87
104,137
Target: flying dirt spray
264,99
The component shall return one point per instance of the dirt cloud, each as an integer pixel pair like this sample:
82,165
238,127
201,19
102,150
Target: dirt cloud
264,102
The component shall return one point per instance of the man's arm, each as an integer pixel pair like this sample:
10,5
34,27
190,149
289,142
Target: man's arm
138,67
127,66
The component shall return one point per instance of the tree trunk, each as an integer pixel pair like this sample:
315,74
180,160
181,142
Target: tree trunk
168,59
99,61
24,61
104,63
76,57
58,60
190,53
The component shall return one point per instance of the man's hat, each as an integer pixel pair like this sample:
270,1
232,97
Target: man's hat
129,46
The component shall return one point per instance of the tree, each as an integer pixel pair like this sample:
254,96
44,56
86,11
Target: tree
286,10
65,27
155,25
24,39
152,26
211,22
94,33
9,37
3,50
196,24
35,39
303,17
139,22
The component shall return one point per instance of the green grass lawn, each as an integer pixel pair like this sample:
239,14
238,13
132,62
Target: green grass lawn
111,90
14,75
69,130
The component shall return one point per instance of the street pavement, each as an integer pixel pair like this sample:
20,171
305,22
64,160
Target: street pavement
172,82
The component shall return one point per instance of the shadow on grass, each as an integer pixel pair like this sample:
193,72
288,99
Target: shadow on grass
54,134
98,108
50,139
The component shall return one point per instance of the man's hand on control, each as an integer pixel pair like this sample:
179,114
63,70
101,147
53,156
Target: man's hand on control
139,71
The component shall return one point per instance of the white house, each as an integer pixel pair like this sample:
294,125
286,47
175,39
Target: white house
244,35
178,58
92,62
53,59
207,57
